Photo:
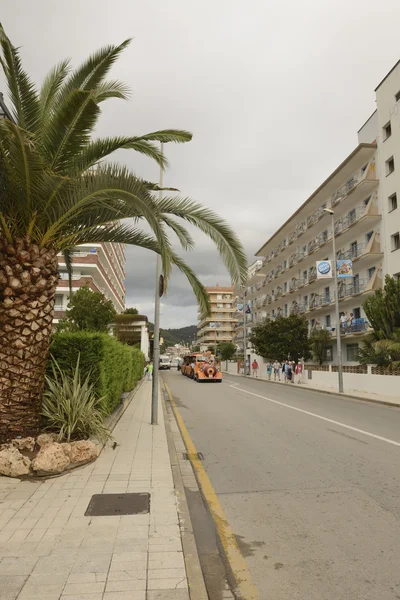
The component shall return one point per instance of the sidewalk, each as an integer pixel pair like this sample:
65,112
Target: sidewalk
50,550
377,398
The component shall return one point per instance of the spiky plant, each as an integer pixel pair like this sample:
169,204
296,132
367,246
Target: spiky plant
56,192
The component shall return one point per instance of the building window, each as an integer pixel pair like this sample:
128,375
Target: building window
371,271
356,284
357,313
219,297
325,236
395,241
352,352
59,302
284,265
353,249
389,165
312,323
305,300
368,236
352,216
328,320
305,275
397,96
392,202
285,287
327,294
387,131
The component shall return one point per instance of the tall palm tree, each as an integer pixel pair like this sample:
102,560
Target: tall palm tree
56,192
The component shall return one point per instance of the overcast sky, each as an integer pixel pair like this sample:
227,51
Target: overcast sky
273,92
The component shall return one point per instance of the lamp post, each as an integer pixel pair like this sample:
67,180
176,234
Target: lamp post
338,339
156,345
4,112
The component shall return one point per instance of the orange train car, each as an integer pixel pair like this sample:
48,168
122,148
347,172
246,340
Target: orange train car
202,367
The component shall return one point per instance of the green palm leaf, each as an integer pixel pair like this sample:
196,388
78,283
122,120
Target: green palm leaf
26,107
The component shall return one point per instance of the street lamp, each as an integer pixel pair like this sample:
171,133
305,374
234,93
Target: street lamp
157,302
339,341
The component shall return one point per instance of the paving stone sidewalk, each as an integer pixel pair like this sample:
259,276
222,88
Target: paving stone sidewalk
50,550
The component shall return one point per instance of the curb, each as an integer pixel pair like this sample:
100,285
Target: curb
197,587
320,391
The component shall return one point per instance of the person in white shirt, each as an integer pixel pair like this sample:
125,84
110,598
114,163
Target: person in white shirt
276,367
343,320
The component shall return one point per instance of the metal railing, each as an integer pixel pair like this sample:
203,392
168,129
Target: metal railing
350,184
354,252
351,289
352,217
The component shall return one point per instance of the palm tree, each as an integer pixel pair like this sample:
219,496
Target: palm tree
56,193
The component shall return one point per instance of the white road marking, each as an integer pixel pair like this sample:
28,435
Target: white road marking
310,414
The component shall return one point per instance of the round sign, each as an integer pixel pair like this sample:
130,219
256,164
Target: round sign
161,286
324,267
239,307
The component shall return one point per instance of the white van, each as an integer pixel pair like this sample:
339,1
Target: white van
165,362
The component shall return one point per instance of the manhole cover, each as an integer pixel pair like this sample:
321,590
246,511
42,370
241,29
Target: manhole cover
107,505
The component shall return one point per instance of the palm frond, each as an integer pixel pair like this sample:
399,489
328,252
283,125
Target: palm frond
178,136
181,232
51,85
22,90
227,242
111,89
103,147
69,130
202,297
91,72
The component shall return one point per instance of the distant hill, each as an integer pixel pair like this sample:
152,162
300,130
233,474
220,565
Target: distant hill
177,336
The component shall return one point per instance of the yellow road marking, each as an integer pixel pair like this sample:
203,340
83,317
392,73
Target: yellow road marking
240,571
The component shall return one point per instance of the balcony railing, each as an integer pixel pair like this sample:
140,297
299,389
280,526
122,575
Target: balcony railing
298,309
312,276
300,282
348,186
352,217
293,285
354,252
352,289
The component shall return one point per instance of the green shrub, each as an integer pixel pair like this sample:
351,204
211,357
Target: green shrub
113,367
71,408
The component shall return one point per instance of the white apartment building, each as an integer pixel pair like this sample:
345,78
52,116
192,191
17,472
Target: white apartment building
363,192
100,267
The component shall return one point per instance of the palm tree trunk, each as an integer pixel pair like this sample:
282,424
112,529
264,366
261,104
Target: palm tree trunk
28,280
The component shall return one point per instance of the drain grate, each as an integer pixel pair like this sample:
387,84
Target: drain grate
108,505
198,456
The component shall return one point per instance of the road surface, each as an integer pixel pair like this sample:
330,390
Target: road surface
309,482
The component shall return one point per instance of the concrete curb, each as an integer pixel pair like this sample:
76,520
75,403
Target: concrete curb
197,587
318,390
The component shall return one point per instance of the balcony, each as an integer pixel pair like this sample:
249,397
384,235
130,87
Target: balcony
301,254
298,309
292,285
353,289
366,177
354,216
301,281
312,275
301,228
292,236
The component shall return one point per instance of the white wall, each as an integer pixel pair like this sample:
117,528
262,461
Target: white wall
389,110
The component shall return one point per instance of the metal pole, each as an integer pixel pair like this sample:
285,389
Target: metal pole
338,339
244,335
156,346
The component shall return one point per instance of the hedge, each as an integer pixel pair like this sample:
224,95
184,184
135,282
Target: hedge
114,367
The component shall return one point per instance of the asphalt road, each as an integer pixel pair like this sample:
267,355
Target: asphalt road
314,502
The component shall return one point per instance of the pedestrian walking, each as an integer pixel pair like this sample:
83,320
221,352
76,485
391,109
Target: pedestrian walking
145,371
277,370
285,367
150,371
299,371
290,371
254,366
247,368
269,370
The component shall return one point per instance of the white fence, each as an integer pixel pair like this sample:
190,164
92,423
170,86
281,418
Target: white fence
375,381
